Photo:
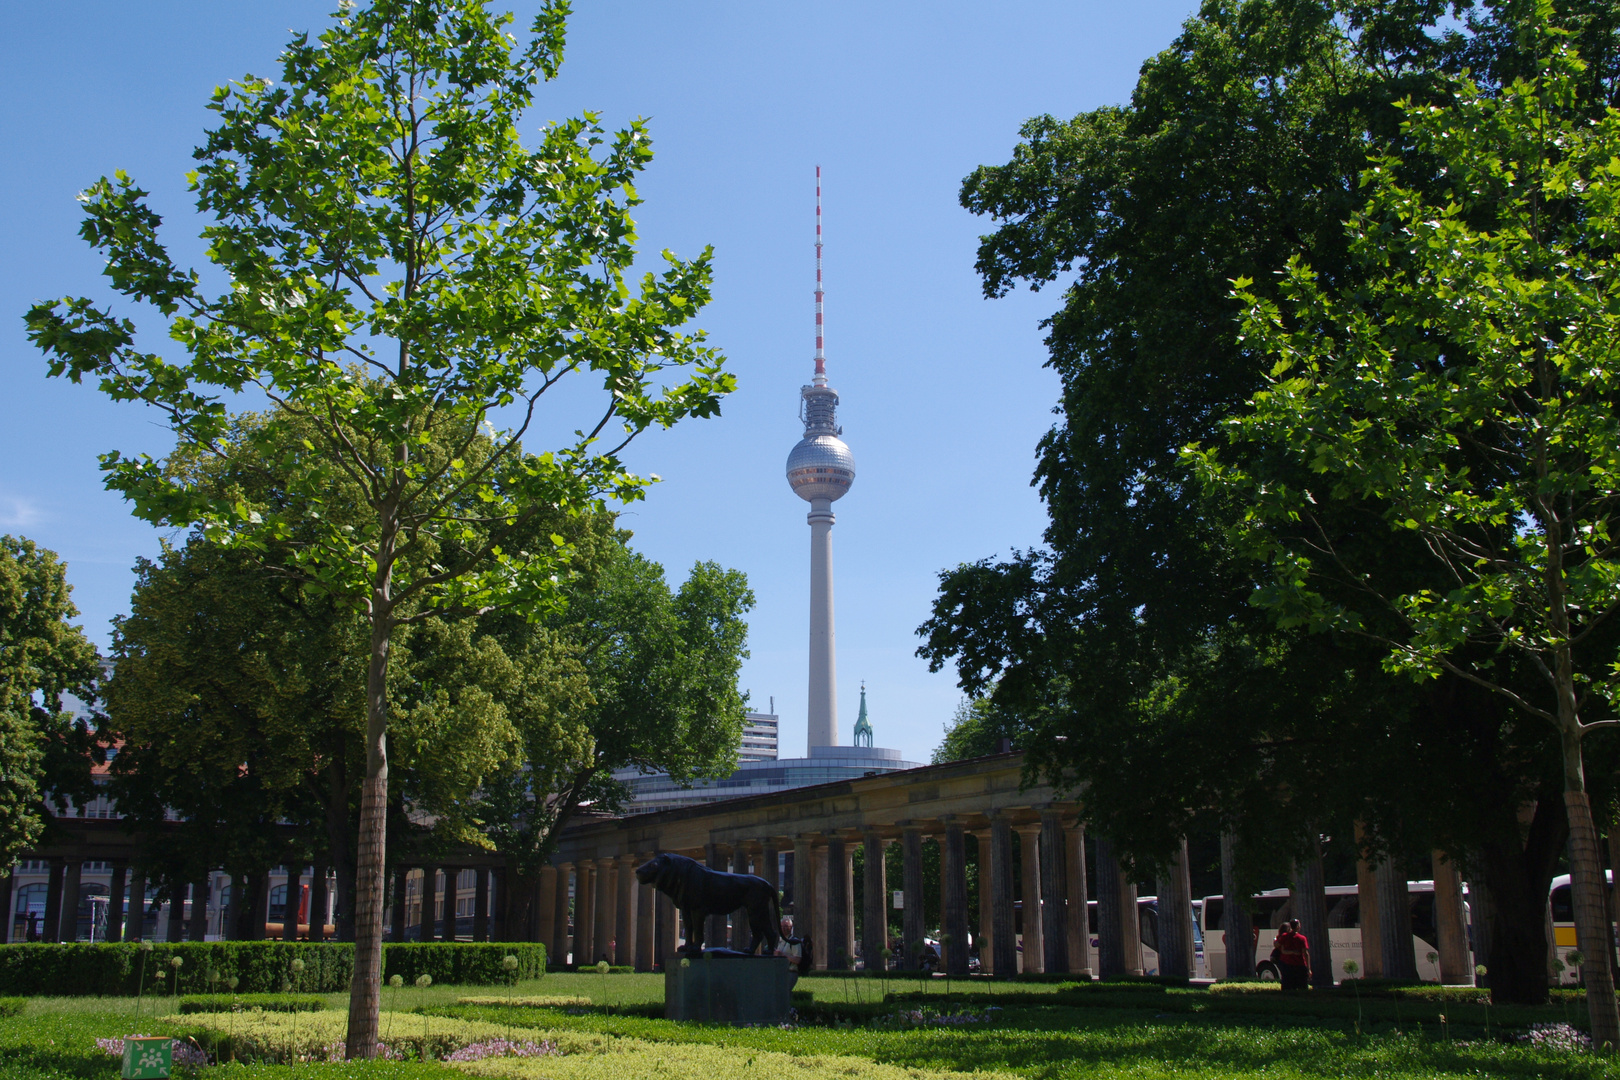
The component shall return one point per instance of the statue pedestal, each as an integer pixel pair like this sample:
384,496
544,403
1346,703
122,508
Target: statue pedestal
732,990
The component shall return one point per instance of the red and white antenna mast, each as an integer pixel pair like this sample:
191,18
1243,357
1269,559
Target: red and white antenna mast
821,354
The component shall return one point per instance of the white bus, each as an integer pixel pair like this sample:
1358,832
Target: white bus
1147,921
1344,930
1561,903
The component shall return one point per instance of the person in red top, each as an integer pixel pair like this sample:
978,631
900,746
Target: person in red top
1294,957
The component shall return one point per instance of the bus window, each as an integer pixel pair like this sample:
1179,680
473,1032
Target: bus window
1345,913
1091,916
1423,919
1148,922
1214,907
1273,910
1563,905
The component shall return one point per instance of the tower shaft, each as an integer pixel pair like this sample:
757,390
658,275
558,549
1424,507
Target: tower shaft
823,697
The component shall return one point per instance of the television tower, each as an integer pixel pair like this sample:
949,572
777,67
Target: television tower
820,470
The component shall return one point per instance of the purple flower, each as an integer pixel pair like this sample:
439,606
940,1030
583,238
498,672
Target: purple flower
502,1048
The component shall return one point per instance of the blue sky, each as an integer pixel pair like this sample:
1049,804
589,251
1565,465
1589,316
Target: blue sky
944,393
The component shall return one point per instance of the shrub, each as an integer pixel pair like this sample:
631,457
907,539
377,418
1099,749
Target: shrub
285,1037
11,1006
464,963
115,970
218,1003
552,1001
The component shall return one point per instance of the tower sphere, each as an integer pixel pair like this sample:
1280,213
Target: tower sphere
820,467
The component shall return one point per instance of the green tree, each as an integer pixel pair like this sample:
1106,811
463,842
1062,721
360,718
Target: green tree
976,729
398,261
657,691
44,748
1128,648
1466,389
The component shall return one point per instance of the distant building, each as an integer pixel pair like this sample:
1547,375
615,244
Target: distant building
760,771
759,737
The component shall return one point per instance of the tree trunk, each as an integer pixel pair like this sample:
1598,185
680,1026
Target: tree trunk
1236,927
339,832
1517,874
365,988
1591,919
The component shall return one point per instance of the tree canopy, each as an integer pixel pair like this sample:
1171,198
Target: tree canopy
1462,392
398,273
1127,646
45,749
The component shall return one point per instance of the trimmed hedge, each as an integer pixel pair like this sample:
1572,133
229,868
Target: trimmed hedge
11,1006
218,1003
463,963
117,970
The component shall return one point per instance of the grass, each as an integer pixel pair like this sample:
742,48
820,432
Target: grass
1043,1031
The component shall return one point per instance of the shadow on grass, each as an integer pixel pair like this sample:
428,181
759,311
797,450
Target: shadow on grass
1057,1042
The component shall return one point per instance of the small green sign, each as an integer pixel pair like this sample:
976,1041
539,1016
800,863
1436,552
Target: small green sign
147,1059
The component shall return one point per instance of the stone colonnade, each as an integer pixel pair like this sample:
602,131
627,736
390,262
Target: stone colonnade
432,894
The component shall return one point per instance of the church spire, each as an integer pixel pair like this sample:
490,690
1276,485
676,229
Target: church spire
863,727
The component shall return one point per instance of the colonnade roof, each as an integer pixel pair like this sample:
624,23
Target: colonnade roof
958,792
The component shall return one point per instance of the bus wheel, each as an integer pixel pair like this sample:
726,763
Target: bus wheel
1267,971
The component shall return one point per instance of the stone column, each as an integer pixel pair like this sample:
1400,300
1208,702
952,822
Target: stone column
545,910
714,928
770,865
135,917
1372,957
428,908
319,897
560,914
911,916
646,921
199,908
584,911
607,910
953,899
1450,922
1110,914
261,908
875,913
1175,950
52,928
624,923
1034,951
1395,923
803,888
987,916
175,923
289,909
738,938
849,902
1310,906
1003,941
838,920
115,903
1054,904
1237,930
480,931
821,939
402,897
452,898
1074,842
71,883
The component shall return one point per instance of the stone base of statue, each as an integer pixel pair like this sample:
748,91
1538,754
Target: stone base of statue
729,989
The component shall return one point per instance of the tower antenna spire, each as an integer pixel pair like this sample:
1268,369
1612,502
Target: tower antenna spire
821,354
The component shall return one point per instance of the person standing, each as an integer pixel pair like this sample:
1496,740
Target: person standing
1294,957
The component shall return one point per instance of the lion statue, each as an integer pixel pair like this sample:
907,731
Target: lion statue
700,892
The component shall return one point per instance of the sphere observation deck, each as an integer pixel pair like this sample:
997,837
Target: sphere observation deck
820,466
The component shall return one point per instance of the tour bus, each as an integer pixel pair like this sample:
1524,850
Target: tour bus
1147,921
1561,901
1344,930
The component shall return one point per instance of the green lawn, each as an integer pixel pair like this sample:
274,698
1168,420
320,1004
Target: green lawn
1030,1030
